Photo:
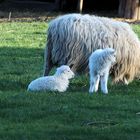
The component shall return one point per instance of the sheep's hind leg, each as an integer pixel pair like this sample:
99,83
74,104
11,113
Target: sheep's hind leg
47,70
47,62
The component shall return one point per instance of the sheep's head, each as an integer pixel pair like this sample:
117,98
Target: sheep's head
65,71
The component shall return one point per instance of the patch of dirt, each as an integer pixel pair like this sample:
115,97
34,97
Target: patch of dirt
26,10
27,16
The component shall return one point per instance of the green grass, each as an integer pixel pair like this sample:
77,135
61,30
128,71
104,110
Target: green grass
74,115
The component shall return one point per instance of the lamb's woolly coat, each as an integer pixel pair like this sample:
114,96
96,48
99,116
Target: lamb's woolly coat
73,37
100,63
58,82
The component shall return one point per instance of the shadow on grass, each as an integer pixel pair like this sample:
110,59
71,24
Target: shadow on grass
19,66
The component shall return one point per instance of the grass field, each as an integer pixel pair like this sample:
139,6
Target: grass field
73,115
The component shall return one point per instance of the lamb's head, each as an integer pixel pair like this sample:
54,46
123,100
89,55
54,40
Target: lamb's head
110,54
65,71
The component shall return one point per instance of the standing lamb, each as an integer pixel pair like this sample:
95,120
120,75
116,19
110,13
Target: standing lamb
100,63
73,37
58,82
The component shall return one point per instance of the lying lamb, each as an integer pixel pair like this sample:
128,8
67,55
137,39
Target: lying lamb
58,82
100,63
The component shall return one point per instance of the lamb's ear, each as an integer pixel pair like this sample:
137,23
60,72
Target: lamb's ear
58,69
64,71
113,52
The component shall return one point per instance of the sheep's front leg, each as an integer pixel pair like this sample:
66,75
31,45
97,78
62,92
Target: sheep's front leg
104,80
94,84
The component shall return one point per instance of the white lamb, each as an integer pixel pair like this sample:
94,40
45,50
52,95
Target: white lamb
100,63
58,82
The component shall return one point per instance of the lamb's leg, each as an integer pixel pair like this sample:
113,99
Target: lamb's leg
97,83
104,80
91,89
94,84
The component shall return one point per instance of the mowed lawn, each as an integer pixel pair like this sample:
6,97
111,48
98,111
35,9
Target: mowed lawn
73,115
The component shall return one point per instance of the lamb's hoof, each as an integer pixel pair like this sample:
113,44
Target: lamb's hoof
105,93
91,93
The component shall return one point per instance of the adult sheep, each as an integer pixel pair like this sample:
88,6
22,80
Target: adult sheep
73,37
